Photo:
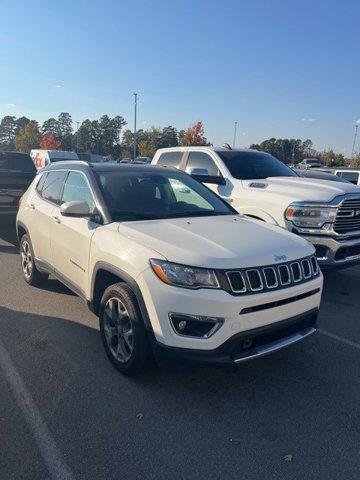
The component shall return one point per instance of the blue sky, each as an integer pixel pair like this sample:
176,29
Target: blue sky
279,68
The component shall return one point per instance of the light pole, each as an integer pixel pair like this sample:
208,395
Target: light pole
135,112
355,135
77,137
235,128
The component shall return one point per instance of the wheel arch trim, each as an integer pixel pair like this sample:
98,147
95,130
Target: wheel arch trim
128,279
20,224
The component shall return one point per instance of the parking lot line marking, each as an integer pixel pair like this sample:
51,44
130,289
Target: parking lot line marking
46,444
340,339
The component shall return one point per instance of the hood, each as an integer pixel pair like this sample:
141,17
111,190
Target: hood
304,188
217,242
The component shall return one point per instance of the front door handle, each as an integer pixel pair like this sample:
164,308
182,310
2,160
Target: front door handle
57,219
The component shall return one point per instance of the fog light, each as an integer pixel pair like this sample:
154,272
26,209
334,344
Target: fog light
197,326
247,343
321,252
182,325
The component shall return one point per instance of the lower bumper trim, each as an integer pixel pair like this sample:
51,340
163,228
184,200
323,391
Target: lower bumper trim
335,253
275,346
246,345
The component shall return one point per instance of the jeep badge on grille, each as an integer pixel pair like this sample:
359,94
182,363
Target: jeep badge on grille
280,258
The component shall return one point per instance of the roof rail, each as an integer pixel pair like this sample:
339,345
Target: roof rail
65,162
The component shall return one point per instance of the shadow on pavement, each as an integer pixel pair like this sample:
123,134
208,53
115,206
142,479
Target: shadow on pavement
296,402
8,235
53,285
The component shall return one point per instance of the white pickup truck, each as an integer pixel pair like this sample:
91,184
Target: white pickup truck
257,184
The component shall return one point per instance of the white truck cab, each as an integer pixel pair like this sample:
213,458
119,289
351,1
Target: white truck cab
258,185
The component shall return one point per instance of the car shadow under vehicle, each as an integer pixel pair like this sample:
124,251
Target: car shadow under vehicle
290,403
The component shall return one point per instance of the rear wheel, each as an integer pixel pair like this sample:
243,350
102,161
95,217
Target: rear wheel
122,330
31,274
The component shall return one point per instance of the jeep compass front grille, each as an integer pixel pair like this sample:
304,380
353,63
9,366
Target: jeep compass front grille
272,277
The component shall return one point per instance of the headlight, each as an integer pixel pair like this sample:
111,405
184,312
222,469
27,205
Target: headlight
183,276
310,217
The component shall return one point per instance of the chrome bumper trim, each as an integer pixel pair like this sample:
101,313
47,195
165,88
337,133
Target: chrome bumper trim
278,345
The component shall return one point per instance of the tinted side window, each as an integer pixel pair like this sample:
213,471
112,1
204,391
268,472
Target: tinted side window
352,177
41,182
52,187
202,160
76,189
170,159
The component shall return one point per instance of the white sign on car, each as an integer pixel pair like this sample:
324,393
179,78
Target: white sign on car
42,158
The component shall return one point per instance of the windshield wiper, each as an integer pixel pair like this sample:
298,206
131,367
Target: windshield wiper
134,214
199,214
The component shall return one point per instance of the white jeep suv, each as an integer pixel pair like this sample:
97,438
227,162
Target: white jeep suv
170,268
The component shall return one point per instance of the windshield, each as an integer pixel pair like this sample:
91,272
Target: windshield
254,165
148,195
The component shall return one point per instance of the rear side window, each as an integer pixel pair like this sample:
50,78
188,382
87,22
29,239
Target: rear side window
20,162
202,160
170,159
53,185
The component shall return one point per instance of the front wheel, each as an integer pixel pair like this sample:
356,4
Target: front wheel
31,274
122,330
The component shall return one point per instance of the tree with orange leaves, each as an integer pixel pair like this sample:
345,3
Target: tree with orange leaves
194,135
48,141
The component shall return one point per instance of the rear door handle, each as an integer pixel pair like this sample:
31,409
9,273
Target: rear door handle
57,219
32,206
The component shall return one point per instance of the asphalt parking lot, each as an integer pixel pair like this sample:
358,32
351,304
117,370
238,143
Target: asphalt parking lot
66,413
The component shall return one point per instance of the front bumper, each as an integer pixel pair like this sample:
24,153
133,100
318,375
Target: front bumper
335,253
240,313
247,345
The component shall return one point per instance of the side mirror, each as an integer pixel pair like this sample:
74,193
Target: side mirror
202,175
198,171
76,209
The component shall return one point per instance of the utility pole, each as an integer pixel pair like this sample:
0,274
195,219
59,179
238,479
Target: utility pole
77,137
135,113
355,135
235,128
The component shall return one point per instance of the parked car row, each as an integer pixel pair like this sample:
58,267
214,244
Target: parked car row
184,259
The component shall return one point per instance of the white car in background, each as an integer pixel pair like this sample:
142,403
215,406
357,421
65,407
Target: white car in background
352,175
310,163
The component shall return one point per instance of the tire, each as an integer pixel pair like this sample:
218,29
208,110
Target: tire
31,274
123,331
